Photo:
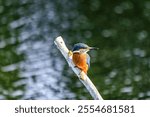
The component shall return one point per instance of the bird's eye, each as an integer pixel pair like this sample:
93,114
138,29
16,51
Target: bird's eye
84,47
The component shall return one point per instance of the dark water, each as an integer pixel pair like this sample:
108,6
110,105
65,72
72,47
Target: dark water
32,68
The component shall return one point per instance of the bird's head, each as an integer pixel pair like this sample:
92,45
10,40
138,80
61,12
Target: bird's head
82,48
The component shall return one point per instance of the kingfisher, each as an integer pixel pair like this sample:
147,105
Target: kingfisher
80,57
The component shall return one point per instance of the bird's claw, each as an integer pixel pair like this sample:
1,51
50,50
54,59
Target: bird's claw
70,53
81,75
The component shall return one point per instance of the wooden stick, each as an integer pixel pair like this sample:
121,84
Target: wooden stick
87,82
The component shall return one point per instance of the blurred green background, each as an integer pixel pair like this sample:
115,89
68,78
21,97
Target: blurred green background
31,67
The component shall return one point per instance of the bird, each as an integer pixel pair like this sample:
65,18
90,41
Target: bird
80,57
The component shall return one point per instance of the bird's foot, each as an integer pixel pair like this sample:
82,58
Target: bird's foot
70,53
81,75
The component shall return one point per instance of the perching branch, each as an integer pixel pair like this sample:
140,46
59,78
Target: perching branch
87,82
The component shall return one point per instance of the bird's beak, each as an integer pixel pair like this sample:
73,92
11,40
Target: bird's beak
93,48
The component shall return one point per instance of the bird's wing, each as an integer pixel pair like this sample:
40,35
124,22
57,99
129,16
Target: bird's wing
88,60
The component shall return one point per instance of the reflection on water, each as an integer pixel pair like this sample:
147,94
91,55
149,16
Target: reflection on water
33,74
32,68
38,69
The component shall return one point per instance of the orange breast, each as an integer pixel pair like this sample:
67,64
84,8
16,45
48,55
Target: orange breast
80,61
